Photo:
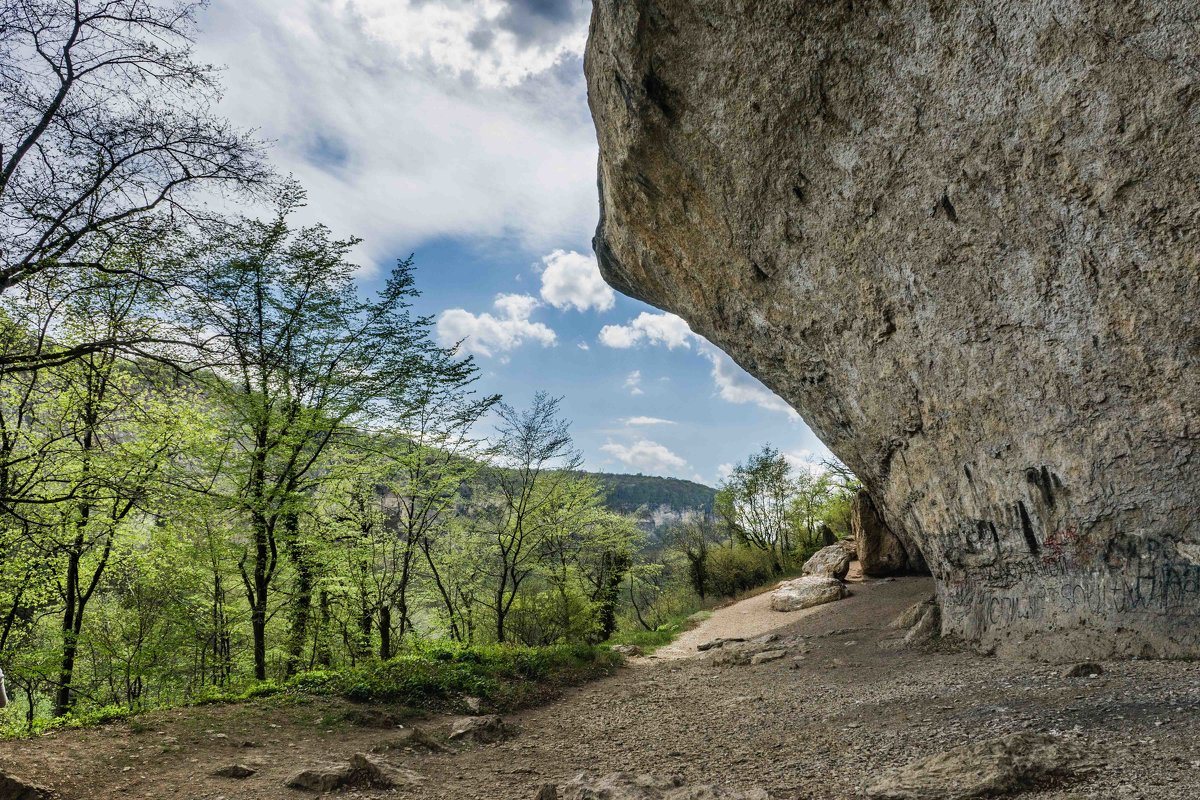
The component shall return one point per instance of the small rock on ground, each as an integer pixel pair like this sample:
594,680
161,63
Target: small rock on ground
624,786
713,644
628,650
756,651
234,771
411,739
1084,670
362,772
486,729
912,615
16,789
996,767
767,655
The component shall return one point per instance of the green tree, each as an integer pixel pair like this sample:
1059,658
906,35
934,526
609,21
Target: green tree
754,503
434,453
536,463
694,537
300,361
114,434
107,138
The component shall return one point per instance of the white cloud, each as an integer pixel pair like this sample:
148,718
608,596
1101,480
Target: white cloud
618,336
633,382
734,385
805,460
405,126
724,471
664,329
486,334
572,280
647,421
645,456
476,38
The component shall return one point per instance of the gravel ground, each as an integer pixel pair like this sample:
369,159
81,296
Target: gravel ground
838,711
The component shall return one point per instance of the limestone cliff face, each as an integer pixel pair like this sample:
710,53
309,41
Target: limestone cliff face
961,238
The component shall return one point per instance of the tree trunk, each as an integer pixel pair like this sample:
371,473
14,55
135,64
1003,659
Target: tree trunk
70,633
610,594
365,623
302,610
258,605
321,655
501,613
385,632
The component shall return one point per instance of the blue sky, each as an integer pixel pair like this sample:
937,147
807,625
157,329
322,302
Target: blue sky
458,131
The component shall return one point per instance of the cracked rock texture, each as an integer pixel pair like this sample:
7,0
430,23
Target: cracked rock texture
880,551
961,239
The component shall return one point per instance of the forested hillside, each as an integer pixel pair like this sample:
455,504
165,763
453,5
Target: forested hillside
625,494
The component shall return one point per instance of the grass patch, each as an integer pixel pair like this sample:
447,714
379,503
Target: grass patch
663,635
434,677
439,676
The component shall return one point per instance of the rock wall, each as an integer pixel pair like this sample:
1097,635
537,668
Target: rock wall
961,239
880,551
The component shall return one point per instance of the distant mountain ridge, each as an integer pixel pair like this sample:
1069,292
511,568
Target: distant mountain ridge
660,501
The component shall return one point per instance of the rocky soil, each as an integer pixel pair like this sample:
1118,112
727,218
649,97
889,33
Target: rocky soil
842,708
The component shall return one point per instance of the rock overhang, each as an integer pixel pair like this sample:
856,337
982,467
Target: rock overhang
961,240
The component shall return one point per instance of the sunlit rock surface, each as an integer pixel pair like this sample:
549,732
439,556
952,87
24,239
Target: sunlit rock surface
961,239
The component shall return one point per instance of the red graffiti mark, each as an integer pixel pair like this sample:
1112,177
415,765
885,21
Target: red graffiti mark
1068,544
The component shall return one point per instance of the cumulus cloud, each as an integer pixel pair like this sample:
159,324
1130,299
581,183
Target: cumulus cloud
734,385
572,280
647,421
645,456
402,128
633,382
664,329
533,21
487,334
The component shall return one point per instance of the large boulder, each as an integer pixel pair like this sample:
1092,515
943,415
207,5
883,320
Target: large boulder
992,768
829,562
880,551
806,592
962,240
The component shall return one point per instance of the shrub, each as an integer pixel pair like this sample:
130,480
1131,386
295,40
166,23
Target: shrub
732,571
438,675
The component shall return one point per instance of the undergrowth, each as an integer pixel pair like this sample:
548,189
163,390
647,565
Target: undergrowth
429,676
664,634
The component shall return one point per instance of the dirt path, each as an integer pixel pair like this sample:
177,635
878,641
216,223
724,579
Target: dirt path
746,619
841,709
